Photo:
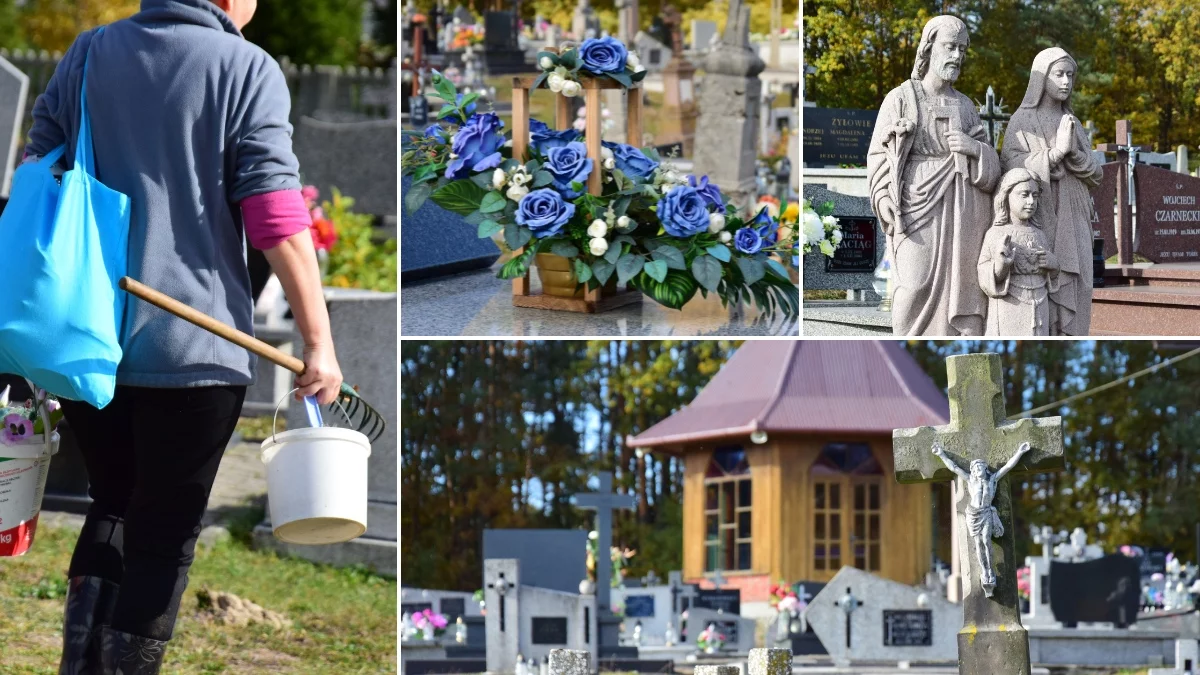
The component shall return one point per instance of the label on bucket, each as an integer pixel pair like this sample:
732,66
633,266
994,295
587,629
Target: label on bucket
22,482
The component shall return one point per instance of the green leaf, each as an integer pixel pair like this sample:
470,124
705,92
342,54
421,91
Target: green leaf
657,270
476,218
552,55
541,179
629,266
623,78
532,166
568,59
673,292
613,253
652,154
445,89
489,227
483,180
752,269
583,273
516,236
719,251
460,196
638,77
778,269
424,173
602,270
564,248
468,100
417,194
707,271
518,266
446,111
624,239
671,256
537,82
492,202
622,205
509,164
576,186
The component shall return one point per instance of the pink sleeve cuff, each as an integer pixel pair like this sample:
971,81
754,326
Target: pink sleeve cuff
273,217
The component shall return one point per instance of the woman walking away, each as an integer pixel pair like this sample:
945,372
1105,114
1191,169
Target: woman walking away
191,122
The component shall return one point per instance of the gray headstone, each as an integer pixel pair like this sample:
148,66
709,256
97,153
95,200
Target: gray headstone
654,55
703,34
14,86
463,15
863,245
552,559
358,158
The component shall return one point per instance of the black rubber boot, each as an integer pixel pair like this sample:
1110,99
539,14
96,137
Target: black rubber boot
90,603
125,654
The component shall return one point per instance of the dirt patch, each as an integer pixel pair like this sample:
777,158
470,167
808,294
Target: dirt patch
229,609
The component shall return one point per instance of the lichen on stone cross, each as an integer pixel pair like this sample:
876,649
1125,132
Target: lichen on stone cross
992,639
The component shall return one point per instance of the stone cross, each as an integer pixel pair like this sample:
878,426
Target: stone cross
678,590
651,579
1047,539
501,586
604,502
14,87
718,579
947,109
674,20
992,639
849,604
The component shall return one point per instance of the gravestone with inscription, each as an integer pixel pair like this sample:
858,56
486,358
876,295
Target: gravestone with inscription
891,622
836,136
728,600
852,267
530,621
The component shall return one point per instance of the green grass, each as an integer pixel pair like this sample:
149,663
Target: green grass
344,620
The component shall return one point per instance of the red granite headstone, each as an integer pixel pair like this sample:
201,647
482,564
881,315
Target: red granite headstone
1168,215
1103,195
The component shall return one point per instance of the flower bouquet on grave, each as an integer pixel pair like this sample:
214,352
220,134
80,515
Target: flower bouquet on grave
431,624
647,225
821,229
709,640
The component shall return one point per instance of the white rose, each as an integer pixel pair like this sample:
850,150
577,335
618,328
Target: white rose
610,164
606,153
716,222
829,221
814,229
545,63
515,192
499,179
598,246
827,248
837,237
725,237
453,156
624,223
598,228
639,68
571,88
556,82
666,188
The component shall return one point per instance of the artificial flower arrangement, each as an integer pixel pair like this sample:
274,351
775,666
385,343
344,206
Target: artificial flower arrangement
430,623
821,229
710,640
467,36
663,233
1023,588
347,250
784,599
618,557
23,422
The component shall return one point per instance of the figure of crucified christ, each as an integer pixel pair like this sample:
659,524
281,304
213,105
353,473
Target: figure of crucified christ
983,521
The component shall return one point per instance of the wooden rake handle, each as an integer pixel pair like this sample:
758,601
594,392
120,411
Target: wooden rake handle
237,337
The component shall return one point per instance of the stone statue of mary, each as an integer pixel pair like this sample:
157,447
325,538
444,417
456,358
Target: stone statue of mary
1045,137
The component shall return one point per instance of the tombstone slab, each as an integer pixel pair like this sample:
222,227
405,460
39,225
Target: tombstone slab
895,622
1103,590
14,87
357,158
863,243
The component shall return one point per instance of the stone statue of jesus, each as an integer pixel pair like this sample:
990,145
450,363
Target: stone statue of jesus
983,521
931,171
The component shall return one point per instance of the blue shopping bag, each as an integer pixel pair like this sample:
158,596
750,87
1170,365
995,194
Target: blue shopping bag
65,248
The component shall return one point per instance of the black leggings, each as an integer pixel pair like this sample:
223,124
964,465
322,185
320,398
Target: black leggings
151,457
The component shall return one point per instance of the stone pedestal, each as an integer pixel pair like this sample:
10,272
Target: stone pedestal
364,333
678,123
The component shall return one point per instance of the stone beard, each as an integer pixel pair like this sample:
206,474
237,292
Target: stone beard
940,197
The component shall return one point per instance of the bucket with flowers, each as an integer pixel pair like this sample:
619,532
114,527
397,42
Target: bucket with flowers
28,441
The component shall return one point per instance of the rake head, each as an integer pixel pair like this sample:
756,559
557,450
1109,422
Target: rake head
360,414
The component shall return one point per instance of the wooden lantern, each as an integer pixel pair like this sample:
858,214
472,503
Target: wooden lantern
593,300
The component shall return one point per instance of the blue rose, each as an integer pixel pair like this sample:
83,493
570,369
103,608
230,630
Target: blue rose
766,227
631,161
603,55
748,241
544,141
682,212
568,163
710,192
544,212
436,131
477,145
537,126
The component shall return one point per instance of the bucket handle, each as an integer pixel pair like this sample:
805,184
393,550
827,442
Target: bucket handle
275,419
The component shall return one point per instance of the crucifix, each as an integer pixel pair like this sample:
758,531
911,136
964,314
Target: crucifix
848,603
947,109
604,501
501,586
1127,154
992,639
993,116
803,596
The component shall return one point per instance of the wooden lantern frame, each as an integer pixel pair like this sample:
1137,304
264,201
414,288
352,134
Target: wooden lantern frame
592,301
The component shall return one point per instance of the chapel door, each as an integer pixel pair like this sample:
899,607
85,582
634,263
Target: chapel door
846,500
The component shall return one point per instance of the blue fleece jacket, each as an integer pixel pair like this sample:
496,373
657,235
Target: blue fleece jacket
188,119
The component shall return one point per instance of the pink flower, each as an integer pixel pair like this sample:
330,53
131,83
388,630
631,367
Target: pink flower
17,429
310,193
53,405
438,620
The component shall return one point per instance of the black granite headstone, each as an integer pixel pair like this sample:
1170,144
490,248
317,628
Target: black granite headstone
807,642
551,559
857,252
437,242
549,630
728,600
834,136
418,111
1102,590
444,666
452,608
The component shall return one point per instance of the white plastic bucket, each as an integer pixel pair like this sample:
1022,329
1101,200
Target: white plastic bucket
23,471
317,484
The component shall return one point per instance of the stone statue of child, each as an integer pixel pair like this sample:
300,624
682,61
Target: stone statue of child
983,521
1017,270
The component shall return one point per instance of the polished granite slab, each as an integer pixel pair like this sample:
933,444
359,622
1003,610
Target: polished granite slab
478,304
